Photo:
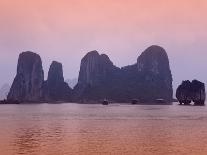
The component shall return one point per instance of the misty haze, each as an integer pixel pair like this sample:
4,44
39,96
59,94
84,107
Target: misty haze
107,77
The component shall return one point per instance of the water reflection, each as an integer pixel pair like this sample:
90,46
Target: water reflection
27,140
94,129
40,138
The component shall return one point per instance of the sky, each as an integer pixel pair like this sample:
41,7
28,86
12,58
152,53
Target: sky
65,30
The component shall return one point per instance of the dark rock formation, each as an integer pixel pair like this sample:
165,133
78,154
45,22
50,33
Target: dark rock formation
155,74
55,89
191,91
27,85
96,73
94,68
147,80
183,93
198,95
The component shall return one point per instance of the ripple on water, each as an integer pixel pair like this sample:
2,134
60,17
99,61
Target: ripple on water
95,129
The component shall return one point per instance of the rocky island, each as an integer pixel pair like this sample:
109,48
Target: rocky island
55,88
191,91
148,80
27,85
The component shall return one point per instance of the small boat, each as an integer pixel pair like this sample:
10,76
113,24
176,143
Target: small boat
134,101
105,102
160,101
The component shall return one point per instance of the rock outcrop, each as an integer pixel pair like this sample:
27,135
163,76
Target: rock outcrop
94,68
147,80
96,72
55,89
191,91
183,93
153,66
198,92
27,85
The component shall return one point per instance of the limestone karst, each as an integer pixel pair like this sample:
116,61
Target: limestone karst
188,92
55,88
147,80
27,85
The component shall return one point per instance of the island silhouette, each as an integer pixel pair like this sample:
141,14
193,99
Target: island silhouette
148,81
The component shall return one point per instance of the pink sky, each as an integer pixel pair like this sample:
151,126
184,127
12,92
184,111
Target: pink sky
65,30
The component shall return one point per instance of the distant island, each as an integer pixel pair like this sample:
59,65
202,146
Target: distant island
4,90
149,80
191,91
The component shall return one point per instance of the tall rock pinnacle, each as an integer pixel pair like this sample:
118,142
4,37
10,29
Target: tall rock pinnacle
55,89
27,85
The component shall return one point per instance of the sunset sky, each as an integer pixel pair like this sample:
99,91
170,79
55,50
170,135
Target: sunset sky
65,30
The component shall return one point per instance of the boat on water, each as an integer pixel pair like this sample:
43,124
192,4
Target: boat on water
134,101
105,102
160,101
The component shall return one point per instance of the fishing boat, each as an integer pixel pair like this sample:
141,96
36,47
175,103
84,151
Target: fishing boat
105,102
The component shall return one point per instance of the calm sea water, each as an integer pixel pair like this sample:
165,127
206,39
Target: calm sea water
73,129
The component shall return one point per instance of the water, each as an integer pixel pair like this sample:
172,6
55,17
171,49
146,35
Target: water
73,129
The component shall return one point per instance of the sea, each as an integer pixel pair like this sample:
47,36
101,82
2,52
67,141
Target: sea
93,129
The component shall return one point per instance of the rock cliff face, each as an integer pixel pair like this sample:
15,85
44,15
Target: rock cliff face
198,92
155,74
55,89
183,93
191,91
27,85
94,67
147,80
95,73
